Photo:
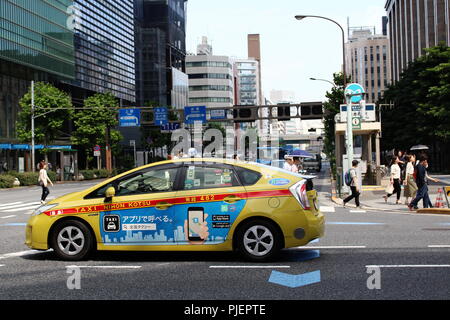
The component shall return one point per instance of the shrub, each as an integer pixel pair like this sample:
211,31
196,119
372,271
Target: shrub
28,178
7,181
88,174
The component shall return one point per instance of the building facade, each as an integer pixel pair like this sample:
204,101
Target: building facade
36,43
414,25
368,62
104,47
160,44
210,80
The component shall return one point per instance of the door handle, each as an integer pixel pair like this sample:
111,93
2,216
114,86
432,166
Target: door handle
163,205
231,199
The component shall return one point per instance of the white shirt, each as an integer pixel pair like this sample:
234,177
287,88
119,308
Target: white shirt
409,169
43,177
395,171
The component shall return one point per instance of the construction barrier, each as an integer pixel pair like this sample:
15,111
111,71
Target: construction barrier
447,195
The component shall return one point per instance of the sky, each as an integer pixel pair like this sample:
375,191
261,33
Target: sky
292,51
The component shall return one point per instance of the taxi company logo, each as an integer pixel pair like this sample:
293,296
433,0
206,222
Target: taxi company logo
111,223
279,182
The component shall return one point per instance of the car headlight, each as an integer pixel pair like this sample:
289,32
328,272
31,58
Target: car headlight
44,208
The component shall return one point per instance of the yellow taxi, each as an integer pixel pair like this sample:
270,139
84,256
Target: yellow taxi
191,204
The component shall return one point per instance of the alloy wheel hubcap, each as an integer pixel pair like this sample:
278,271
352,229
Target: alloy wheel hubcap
258,240
71,240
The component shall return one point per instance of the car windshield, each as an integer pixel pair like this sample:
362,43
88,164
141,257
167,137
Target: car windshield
281,170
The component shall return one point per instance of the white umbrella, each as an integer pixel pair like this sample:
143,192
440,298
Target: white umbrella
419,147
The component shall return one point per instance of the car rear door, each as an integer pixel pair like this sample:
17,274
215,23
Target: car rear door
210,199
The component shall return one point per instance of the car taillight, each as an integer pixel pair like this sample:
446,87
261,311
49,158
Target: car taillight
299,190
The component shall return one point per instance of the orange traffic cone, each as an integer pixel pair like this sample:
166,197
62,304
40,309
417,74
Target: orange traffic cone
439,199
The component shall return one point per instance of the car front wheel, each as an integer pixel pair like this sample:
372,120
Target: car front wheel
72,240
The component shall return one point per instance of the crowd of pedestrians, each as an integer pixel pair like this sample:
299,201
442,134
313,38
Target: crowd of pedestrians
411,172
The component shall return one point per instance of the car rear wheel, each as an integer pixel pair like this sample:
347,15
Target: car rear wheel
258,240
72,240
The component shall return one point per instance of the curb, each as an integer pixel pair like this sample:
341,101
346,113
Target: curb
434,211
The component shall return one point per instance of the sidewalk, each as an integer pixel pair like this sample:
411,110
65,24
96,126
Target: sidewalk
372,198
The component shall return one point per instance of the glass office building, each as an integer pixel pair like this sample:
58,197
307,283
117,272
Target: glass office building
104,47
160,48
36,43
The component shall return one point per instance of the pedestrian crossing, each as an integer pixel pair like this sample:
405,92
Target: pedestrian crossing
7,210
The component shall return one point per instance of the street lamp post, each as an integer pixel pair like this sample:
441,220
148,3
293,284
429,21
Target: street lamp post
301,17
32,129
330,82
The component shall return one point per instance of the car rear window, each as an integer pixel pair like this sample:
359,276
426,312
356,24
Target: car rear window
247,177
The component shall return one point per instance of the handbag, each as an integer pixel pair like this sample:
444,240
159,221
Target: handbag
390,188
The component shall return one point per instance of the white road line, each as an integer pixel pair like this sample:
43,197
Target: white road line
327,209
2,265
7,217
332,247
19,254
10,204
19,206
249,267
105,267
411,266
358,211
439,246
20,209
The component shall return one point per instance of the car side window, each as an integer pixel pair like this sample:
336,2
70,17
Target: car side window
201,177
248,177
149,181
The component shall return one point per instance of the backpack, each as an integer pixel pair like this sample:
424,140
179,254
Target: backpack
348,178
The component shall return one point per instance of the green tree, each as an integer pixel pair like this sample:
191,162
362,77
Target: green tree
52,108
421,98
91,123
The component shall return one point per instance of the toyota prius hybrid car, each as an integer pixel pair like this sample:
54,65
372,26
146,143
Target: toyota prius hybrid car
183,205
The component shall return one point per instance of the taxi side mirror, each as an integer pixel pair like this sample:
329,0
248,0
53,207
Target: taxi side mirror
110,192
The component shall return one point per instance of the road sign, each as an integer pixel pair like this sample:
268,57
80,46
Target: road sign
447,195
97,148
160,116
356,123
218,114
193,114
355,88
97,153
130,117
132,143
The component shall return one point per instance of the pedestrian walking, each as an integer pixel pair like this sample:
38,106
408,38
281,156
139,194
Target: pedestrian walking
354,185
421,181
289,164
395,180
410,183
44,180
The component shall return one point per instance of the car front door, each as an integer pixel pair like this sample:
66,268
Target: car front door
141,211
210,199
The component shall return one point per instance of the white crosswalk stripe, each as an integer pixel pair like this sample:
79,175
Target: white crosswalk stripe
26,208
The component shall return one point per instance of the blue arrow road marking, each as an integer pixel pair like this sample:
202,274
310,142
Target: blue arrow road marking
294,281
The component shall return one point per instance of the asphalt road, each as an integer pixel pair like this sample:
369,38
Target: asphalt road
407,257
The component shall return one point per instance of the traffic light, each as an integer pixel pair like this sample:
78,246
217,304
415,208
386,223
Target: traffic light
284,113
242,114
311,110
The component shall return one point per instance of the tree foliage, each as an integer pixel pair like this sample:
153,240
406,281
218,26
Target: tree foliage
52,108
99,113
421,99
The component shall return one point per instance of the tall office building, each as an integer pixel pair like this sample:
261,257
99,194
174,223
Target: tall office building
368,61
104,47
413,26
160,42
35,44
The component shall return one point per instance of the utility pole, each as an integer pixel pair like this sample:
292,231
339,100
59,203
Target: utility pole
33,165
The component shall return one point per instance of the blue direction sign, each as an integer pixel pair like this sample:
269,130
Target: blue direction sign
218,114
161,116
355,88
193,114
130,117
